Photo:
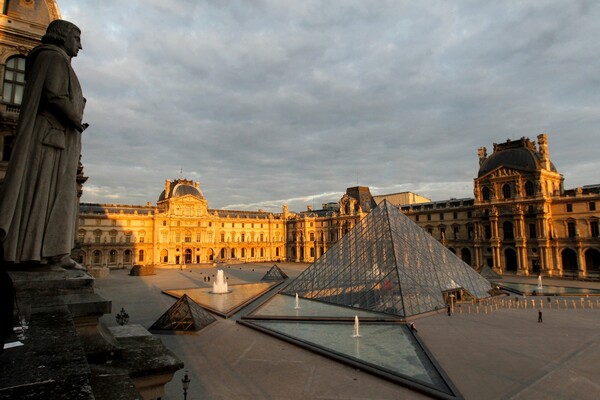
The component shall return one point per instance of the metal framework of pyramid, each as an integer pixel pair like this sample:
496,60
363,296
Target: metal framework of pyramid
387,263
274,274
184,315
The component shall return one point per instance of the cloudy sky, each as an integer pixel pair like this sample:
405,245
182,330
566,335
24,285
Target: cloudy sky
267,102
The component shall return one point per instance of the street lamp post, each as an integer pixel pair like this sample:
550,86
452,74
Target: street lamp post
185,383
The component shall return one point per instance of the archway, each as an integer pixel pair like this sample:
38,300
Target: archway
210,254
127,257
187,256
592,261
97,257
510,260
164,256
112,257
569,260
465,254
452,250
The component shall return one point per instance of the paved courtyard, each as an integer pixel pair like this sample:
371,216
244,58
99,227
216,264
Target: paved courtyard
499,354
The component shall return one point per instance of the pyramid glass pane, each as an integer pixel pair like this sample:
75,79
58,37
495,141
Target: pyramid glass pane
389,264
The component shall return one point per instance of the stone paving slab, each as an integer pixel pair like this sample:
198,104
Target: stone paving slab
504,354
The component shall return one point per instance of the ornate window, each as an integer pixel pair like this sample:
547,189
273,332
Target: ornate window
506,192
529,189
594,229
485,193
14,80
532,231
507,227
571,229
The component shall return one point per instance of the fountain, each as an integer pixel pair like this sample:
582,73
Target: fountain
540,287
220,284
356,325
297,306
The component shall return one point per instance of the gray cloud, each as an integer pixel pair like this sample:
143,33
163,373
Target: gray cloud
266,102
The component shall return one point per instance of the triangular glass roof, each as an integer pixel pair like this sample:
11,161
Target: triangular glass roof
274,274
387,263
184,315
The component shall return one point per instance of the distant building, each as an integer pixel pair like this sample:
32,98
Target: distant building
402,198
180,229
521,219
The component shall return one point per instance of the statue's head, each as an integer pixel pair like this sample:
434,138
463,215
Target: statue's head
63,34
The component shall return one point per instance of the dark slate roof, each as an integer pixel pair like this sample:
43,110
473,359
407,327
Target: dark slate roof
516,154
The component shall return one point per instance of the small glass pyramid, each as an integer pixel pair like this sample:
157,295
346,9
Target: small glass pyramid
274,274
184,315
388,264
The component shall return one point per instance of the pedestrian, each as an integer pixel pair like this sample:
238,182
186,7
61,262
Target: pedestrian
449,310
539,315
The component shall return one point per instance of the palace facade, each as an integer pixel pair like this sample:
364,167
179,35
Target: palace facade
521,219
180,229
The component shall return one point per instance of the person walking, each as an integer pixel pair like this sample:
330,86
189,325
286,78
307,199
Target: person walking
539,316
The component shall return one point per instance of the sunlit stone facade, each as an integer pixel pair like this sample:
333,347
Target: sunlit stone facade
521,219
180,229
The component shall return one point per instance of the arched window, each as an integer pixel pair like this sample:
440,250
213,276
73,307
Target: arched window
112,256
485,193
506,192
507,227
529,189
97,257
141,256
14,80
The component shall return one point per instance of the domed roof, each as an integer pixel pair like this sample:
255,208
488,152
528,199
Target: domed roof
182,188
513,154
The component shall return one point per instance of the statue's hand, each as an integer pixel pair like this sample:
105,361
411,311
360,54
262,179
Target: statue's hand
82,127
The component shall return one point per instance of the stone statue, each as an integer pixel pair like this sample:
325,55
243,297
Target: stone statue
38,202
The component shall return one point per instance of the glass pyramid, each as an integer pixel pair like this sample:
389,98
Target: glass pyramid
387,263
184,315
274,274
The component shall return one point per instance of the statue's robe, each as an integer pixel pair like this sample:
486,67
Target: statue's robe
38,201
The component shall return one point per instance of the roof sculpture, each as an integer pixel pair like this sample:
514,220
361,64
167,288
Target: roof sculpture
387,263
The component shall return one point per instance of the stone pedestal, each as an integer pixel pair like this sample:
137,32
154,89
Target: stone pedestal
69,354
